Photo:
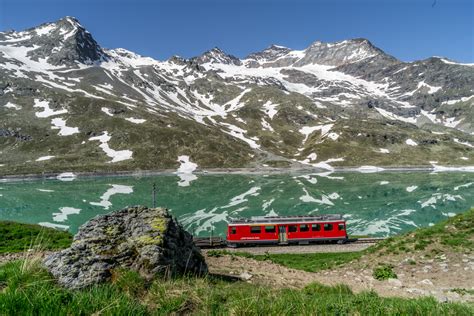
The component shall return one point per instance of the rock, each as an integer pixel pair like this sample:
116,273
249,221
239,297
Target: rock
245,276
425,282
146,240
395,282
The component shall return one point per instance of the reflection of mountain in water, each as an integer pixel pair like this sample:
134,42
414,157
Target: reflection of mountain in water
377,203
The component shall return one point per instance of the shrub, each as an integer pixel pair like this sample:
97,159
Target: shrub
384,272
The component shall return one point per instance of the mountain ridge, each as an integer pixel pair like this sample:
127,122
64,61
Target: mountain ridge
332,104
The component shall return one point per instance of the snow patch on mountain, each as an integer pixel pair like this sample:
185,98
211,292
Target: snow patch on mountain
47,111
116,155
59,123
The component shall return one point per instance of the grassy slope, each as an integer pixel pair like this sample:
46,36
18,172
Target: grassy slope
17,237
454,234
25,286
28,289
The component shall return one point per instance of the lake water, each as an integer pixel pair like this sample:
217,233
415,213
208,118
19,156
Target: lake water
378,204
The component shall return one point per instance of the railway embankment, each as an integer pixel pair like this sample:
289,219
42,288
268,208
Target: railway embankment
427,271
437,261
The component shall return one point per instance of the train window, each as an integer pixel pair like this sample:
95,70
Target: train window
304,228
233,230
315,227
341,226
255,229
270,229
292,228
327,226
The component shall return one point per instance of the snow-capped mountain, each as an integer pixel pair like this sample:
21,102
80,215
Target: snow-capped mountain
68,103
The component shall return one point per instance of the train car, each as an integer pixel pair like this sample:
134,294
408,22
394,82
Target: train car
286,230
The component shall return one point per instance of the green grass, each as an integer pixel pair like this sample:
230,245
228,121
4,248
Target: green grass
18,237
27,289
384,272
455,234
311,262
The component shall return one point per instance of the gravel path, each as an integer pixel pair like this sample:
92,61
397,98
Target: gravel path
300,248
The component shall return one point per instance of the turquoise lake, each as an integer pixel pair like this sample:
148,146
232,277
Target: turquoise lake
378,204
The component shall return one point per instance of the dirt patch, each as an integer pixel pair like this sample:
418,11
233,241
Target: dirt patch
447,277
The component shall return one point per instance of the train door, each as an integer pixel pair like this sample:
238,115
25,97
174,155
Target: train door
282,235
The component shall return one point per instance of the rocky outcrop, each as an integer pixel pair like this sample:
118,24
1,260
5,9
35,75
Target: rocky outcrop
147,240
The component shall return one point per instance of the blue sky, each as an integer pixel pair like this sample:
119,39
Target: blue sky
406,29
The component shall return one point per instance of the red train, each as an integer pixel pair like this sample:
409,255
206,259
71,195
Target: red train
286,229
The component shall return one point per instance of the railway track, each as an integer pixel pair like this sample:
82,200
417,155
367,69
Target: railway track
219,242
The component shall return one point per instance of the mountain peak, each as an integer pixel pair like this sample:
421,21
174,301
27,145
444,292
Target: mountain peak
63,42
217,55
269,54
339,53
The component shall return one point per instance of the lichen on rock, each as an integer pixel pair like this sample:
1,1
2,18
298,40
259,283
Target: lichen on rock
147,240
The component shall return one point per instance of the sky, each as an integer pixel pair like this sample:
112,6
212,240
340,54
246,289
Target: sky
407,29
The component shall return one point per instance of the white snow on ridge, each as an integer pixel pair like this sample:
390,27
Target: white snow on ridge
431,89
308,130
131,59
463,143
238,132
116,155
186,165
235,103
46,29
135,120
270,109
12,106
384,151
59,123
185,171
107,111
47,111
454,63
411,142
323,164
451,102
392,116
45,158
266,125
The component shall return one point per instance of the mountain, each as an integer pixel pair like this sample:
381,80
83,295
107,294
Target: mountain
66,103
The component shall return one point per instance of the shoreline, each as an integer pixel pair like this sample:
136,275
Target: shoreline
69,176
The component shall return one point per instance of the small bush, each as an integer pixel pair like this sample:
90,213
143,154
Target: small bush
384,272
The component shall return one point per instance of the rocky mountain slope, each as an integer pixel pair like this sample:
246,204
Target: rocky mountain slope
66,103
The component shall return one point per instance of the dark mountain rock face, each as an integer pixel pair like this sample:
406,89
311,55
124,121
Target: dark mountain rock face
347,103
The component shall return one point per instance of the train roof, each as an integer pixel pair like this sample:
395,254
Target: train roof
286,219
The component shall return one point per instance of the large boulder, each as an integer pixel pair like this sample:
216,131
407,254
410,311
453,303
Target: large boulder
147,240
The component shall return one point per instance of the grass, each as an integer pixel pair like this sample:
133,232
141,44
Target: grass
384,272
27,289
455,234
311,262
18,237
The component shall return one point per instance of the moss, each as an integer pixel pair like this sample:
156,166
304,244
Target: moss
160,224
150,240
